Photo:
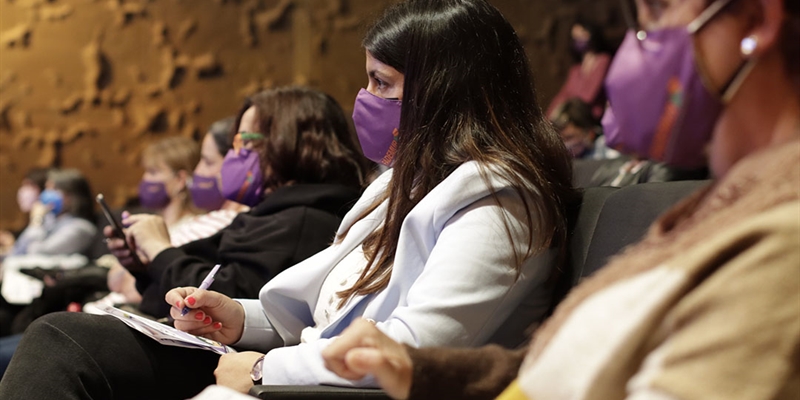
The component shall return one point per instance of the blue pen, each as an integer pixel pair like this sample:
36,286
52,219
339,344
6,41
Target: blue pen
206,283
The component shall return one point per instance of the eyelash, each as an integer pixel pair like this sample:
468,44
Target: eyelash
381,84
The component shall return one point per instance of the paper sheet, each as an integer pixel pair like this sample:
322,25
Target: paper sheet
166,335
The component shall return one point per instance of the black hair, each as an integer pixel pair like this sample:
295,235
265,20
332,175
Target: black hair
220,131
597,42
38,177
468,95
306,138
577,112
76,187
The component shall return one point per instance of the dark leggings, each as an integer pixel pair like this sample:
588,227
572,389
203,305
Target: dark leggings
82,356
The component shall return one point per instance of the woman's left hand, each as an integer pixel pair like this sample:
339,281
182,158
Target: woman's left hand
233,370
149,232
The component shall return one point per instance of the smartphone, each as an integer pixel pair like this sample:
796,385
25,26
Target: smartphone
117,227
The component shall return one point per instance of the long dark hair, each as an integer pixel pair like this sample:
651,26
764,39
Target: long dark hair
306,138
468,95
76,188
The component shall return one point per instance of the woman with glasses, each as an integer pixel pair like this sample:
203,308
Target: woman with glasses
298,197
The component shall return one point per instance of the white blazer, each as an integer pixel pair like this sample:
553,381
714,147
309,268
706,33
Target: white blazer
453,281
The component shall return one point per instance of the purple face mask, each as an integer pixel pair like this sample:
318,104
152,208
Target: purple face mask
580,45
241,177
660,109
153,194
205,193
376,120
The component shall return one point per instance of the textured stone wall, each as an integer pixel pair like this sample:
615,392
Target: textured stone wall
89,83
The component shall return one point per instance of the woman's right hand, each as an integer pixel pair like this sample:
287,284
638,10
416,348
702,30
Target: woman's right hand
116,246
211,314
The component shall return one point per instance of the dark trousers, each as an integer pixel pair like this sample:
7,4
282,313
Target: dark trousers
82,356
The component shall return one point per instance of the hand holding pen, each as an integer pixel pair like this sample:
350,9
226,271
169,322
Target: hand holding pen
206,312
203,286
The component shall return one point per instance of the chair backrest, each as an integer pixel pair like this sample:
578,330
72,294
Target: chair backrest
607,220
611,219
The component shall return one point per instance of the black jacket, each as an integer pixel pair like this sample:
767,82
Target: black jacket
288,226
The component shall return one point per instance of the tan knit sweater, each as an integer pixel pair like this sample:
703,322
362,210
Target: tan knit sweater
707,306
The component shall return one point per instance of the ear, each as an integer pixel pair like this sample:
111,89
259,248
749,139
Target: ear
767,29
183,178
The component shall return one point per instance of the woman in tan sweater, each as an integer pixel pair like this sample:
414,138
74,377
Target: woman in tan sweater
707,306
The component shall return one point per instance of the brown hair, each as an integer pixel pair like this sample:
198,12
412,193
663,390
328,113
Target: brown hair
178,154
306,138
458,108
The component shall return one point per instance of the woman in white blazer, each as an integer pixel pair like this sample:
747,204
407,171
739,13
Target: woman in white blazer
434,252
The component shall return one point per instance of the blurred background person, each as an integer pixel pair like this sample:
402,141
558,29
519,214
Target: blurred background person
581,131
62,220
585,76
27,195
61,224
204,188
164,188
295,162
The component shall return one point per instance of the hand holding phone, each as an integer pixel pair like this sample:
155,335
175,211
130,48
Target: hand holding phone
134,263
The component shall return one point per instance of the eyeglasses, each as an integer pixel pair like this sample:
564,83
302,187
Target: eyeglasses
241,139
251,135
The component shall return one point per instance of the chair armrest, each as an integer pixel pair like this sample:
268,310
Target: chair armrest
274,392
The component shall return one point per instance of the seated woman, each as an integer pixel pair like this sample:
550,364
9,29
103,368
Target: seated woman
206,196
27,195
300,171
434,251
707,306
585,76
581,132
205,189
62,221
164,188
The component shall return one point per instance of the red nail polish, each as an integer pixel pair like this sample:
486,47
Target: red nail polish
207,320
198,316
217,325
178,304
191,301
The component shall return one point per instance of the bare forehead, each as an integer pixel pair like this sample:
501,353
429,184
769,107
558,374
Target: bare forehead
249,120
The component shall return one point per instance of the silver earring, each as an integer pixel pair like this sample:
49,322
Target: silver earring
749,45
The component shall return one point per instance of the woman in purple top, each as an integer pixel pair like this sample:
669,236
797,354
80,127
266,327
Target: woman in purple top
585,77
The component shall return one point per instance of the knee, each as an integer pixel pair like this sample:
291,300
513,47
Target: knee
69,324
48,321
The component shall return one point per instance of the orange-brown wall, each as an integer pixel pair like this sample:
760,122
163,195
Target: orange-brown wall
88,83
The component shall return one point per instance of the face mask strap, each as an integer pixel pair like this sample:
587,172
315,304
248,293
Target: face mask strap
706,16
732,86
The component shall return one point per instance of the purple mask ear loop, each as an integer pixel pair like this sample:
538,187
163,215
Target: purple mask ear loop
732,85
705,16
